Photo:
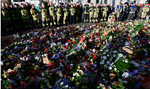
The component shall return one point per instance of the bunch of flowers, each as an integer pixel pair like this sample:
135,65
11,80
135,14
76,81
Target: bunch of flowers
77,57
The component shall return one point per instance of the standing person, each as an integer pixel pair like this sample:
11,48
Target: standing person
126,11
96,13
105,10
28,7
91,13
86,12
144,11
74,5
8,9
113,7
69,5
109,10
72,14
59,14
35,15
12,15
5,18
25,16
52,14
140,12
66,15
80,13
148,15
132,12
77,12
119,10
100,12
44,13
137,11
17,16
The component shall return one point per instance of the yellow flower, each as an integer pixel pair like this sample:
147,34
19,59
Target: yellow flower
77,83
82,86
130,56
145,66
78,67
10,56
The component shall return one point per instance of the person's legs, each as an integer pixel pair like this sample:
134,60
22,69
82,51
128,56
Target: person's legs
64,20
43,22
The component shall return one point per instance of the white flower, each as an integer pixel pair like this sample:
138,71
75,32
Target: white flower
114,55
126,61
110,68
102,74
9,70
95,65
66,86
60,74
5,76
80,71
120,55
106,81
49,86
71,64
72,78
104,53
104,57
103,79
101,63
125,82
108,62
115,69
114,51
77,74
125,75
61,83
2,63
143,62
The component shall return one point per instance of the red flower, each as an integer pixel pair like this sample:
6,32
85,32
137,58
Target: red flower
116,83
10,41
50,34
90,63
97,43
72,27
50,64
68,40
68,66
99,25
32,71
74,42
11,86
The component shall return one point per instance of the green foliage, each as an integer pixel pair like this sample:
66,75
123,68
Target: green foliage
121,66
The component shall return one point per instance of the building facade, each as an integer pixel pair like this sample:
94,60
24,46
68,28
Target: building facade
37,2
109,1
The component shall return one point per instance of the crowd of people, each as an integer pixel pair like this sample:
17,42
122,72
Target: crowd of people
26,16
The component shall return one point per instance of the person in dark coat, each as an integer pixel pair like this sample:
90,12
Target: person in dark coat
109,11
80,13
126,11
113,8
28,7
12,16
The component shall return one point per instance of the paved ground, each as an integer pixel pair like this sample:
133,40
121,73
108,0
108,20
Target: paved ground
6,36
